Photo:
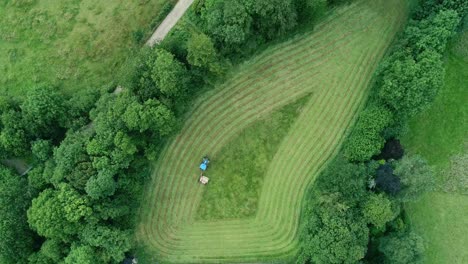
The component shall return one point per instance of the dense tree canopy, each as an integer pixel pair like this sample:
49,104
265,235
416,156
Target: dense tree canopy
402,248
386,181
416,177
16,238
82,255
336,235
169,74
413,73
202,53
335,231
366,139
42,110
378,210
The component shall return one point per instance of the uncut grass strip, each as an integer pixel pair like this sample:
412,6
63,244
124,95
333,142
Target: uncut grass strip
331,141
293,186
311,161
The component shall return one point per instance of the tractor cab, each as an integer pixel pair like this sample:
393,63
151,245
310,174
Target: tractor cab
204,163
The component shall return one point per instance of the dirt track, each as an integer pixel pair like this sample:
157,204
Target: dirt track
169,22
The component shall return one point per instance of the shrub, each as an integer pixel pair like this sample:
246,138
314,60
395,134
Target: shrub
366,139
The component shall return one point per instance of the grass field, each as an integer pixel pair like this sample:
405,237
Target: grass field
69,44
438,134
334,65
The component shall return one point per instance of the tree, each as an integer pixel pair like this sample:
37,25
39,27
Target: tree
14,139
57,214
386,181
310,10
41,149
152,115
391,150
334,235
402,248
366,138
112,241
412,75
82,255
74,205
274,18
335,230
16,238
72,162
416,177
228,22
54,250
169,74
44,112
202,53
432,32
345,179
409,84
378,210
102,185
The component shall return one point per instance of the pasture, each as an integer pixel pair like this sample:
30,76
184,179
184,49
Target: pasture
438,134
71,45
331,67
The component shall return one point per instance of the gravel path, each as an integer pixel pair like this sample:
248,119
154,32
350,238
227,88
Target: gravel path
169,22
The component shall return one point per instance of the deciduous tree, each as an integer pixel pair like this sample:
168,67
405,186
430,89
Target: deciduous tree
16,238
416,177
402,248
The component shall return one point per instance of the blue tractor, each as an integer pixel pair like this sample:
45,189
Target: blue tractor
204,164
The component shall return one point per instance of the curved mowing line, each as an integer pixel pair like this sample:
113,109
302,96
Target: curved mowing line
280,76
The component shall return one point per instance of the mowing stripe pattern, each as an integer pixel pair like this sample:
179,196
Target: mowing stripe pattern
334,64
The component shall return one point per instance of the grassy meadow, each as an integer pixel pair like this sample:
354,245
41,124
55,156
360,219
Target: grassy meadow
70,44
438,134
334,64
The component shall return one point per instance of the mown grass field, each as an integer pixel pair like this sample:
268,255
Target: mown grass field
438,134
69,44
334,65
